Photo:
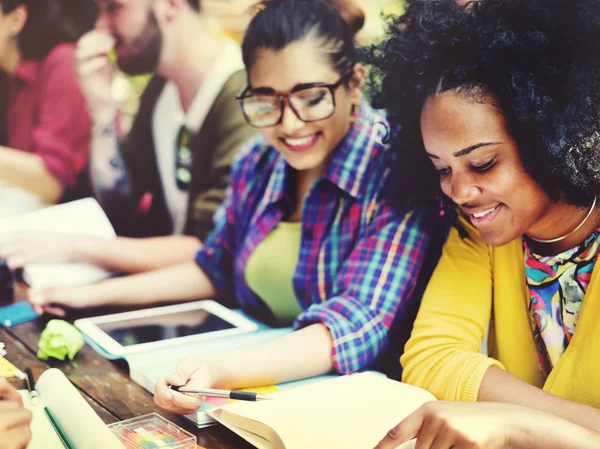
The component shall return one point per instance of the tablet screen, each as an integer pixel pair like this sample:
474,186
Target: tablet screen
164,327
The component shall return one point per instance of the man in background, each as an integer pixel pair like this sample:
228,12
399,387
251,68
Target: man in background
165,179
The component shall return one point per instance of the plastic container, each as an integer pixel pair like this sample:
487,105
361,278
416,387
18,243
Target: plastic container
152,431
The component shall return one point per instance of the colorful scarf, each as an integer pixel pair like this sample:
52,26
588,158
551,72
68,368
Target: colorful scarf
557,285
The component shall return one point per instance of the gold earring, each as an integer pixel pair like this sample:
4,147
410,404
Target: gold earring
353,114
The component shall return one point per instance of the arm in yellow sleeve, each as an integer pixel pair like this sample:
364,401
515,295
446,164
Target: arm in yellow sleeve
442,354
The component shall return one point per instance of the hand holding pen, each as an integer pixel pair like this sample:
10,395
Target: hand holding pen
14,418
183,392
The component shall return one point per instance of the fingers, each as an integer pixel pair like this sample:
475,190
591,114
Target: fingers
17,438
12,250
93,44
92,64
56,311
13,415
8,392
163,395
176,380
403,432
45,301
443,440
172,400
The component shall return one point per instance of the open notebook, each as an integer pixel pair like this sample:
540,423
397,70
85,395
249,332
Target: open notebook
81,424
350,412
145,369
78,217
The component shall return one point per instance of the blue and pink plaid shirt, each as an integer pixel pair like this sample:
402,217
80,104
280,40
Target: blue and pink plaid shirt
359,258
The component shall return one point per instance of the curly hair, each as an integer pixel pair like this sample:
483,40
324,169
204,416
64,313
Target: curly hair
539,60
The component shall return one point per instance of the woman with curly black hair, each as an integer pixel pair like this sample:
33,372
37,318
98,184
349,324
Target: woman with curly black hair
497,104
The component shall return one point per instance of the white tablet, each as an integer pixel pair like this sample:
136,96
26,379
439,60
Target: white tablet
141,330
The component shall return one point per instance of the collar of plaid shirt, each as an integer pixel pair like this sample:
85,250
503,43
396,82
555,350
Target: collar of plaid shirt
348,164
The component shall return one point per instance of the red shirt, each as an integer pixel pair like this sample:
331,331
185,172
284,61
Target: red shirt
47,114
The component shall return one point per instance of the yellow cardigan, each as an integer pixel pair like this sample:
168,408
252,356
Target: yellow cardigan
475,284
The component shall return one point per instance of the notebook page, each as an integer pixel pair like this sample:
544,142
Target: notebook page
43,435
352,412
78,217
79,421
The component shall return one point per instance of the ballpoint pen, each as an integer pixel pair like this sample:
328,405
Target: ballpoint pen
211,392
34,397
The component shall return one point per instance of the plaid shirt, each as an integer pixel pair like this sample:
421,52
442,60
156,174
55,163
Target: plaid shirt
359,258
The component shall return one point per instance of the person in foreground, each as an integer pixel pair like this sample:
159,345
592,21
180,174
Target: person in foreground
45,135
14,418
306,234
498,103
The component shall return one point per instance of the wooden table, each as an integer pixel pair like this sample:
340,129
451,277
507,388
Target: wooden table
105,385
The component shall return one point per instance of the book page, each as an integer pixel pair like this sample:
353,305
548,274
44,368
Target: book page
43,435
145,369
350,412
78,217
258,441
79,421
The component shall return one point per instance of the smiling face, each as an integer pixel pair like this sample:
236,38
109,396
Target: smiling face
138,38
480,166
305,146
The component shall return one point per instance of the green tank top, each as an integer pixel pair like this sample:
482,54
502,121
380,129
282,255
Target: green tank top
270,269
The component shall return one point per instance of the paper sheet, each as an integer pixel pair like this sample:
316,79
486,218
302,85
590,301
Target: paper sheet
79,421
43,435
78,217
350,412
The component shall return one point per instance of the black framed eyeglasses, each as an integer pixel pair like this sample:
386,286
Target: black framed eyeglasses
312,102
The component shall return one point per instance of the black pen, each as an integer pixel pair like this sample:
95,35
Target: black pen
228,394
34,398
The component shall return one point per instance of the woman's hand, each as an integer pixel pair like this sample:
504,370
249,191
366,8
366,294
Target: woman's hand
53,300
488,425
193,372
460,425
14,418
25,247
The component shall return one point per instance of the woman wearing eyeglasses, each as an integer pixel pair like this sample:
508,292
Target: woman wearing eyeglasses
305,235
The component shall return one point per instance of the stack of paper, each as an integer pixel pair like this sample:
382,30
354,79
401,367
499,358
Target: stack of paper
78,217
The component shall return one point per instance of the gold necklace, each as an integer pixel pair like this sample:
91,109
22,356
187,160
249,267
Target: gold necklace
562,237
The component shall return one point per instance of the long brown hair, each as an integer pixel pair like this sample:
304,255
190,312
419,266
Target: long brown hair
279,23
49,23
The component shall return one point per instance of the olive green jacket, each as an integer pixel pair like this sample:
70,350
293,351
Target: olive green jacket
214,146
